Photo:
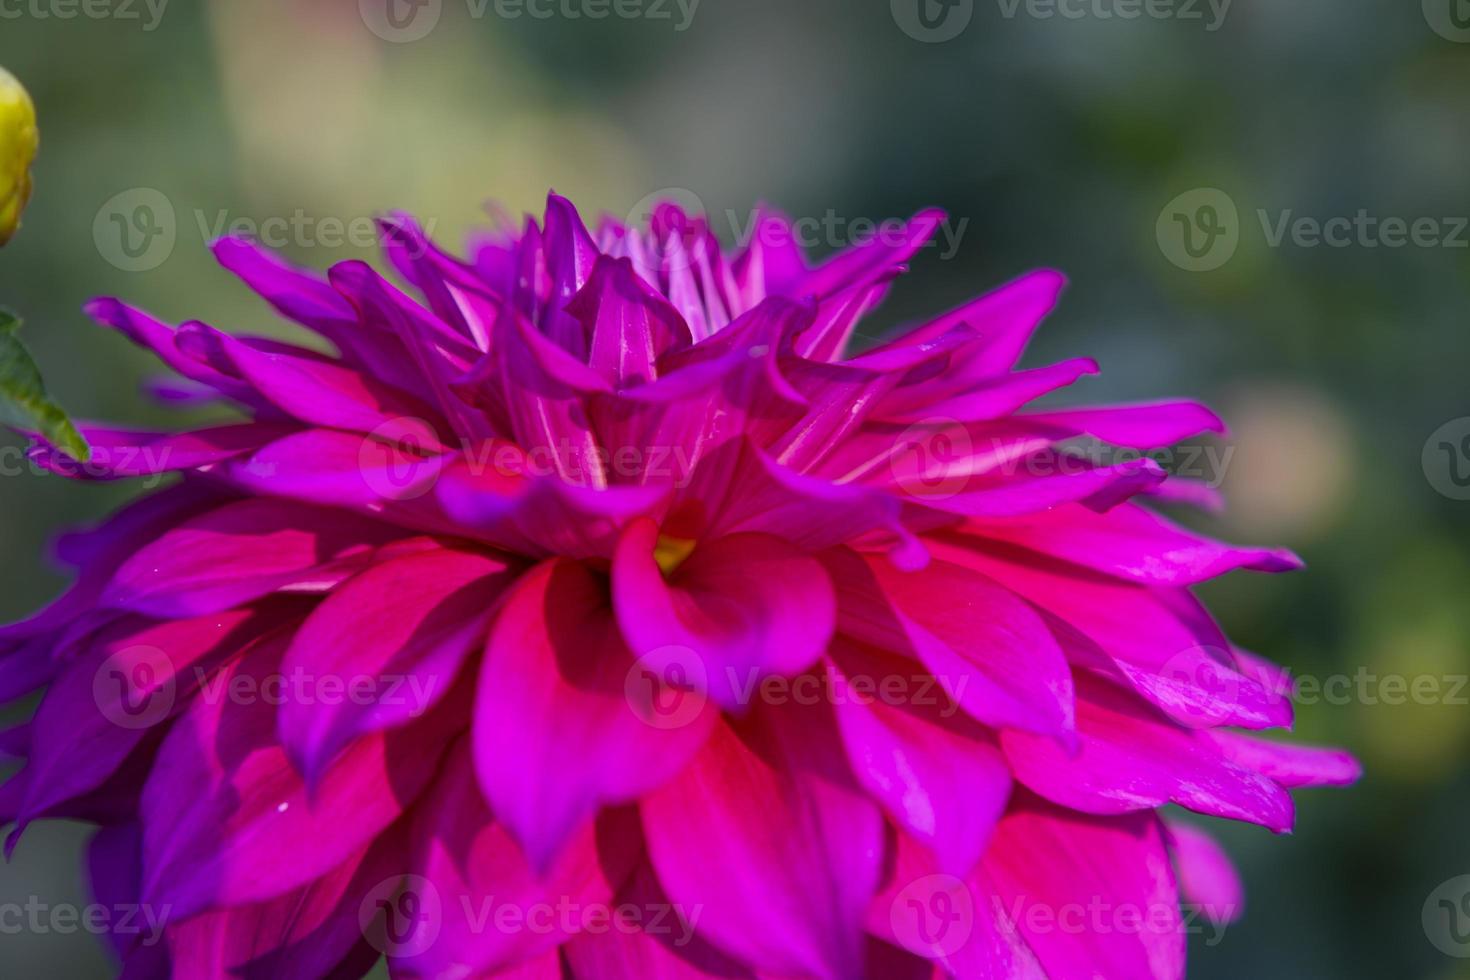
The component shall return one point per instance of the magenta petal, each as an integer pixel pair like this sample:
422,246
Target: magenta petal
226,819
991,653
302,935
390,643
239,552
648,939
1207,878
1061,865
556,735
766,832
629,324
938,773
1130,542
1290,765
1131,757
740,608
1148,426
1160,641
104,704
957,922
470,869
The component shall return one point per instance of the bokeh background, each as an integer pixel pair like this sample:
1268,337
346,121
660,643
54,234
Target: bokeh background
1088,143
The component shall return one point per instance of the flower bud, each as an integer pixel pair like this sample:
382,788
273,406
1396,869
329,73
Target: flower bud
18,142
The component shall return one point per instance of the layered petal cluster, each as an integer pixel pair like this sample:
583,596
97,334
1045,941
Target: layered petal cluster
592,610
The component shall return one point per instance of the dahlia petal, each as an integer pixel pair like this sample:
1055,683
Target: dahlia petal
1290,765
123,454
1207,878
226,819
955,922
315,390
971,402
1051,868
869,260
743,490
344,469
766,832
1160,641
304,934
114,877
554,732
992,653
837,321
1132,543
648,938
738,609
24,667
495,911
296,294
397,635
103,705
1146,426
1004,319
494,494
1130,757
773,261
160,338
1100,487
629,324
240,552
939,775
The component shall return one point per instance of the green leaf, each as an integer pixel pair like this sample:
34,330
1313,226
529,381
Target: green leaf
21,384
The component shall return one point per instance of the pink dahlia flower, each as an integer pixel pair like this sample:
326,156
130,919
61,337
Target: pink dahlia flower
597,613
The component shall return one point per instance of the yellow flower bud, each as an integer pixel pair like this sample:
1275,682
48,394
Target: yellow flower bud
19,140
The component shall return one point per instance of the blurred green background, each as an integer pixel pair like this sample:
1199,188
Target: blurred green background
1062,141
